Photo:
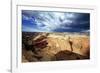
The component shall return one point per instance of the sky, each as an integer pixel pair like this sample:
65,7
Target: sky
50,21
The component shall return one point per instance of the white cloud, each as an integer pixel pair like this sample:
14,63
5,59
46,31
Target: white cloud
25,17
51,21
67,22
70,15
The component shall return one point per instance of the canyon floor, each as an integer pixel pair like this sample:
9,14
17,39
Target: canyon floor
38,47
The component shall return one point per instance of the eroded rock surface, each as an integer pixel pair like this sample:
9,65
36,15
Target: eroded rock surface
52,47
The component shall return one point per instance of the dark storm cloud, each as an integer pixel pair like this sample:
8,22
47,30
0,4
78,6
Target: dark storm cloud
55,21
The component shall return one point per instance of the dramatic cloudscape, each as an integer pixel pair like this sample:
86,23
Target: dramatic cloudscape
49,21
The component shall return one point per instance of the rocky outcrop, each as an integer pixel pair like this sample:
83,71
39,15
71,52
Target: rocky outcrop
53,47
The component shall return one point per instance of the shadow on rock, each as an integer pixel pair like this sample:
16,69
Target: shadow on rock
68,55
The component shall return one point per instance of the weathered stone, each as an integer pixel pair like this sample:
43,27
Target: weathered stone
58,47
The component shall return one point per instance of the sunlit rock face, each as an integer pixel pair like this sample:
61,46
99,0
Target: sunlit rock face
57,47
81,45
